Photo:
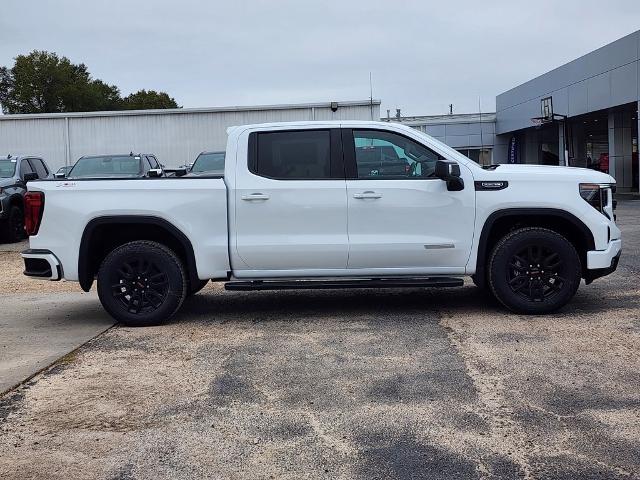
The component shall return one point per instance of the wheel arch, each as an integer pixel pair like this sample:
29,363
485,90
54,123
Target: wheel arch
503,221
102,234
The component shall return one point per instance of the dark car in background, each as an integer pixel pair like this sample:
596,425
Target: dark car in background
116,166
208,163
15,172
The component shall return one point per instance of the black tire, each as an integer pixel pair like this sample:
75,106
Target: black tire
13,228
142,283
196,287
534,271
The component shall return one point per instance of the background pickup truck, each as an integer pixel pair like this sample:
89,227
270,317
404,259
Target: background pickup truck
307,205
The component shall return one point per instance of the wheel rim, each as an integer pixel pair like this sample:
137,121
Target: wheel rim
139,285
535,273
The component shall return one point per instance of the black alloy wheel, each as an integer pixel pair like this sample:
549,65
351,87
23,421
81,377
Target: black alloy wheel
534,270
142,283
535,273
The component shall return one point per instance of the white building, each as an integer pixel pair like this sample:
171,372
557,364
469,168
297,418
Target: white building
175,136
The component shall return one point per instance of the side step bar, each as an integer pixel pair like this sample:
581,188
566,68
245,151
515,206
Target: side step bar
346,283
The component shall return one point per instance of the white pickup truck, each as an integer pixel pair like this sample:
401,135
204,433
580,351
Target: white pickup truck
327,205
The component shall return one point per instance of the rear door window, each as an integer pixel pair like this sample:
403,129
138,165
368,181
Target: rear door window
295,155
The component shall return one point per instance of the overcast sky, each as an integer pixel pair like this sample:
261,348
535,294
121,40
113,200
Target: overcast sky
422,55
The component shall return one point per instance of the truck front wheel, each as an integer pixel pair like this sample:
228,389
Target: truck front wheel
142,283
534,270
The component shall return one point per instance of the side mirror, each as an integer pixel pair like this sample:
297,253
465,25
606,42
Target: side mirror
60,175
450,173
154,173
30,176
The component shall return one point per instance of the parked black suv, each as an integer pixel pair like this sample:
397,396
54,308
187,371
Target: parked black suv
15,172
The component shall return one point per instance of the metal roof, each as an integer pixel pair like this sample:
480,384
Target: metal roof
183,111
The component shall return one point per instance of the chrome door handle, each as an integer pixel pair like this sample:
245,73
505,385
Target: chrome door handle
255,196
367,194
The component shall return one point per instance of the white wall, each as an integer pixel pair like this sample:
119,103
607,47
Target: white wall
175,136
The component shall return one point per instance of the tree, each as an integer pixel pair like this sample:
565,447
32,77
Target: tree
146,100
43,82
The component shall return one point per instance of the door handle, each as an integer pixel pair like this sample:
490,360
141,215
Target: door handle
255,196
367,194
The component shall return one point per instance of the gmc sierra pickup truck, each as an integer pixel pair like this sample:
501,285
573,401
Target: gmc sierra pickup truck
327,205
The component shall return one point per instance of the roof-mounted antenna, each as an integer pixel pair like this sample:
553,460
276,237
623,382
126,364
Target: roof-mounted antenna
481,140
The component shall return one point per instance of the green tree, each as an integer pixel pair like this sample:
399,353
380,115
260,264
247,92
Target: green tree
146,100
43,82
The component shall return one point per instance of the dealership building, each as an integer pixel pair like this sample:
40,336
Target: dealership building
582,114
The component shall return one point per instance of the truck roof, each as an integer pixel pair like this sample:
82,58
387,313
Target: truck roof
319,122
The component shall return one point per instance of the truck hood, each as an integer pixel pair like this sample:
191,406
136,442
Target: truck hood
5,182
550,173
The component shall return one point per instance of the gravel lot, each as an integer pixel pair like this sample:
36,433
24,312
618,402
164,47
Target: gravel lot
410,383
12,280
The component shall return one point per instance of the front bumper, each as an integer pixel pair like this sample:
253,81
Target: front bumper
603,262
41,264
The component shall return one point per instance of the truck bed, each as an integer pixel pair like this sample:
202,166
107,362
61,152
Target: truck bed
196,206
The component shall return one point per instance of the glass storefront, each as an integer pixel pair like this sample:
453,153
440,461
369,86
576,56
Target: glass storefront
482,156
591,146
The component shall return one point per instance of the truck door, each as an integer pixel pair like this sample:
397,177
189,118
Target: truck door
291,204
400,216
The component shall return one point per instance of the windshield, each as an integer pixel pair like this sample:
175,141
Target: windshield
119,166
209,162
7,168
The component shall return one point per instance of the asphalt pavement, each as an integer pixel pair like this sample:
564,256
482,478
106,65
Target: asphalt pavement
38,329
394,384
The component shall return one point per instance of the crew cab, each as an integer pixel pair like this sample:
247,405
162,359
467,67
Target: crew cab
304,205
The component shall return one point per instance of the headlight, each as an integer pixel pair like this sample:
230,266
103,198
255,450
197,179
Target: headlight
599,196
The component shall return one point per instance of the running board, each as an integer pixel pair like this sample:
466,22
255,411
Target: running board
346,283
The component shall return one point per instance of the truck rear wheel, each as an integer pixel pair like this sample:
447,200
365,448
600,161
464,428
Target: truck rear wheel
534,271
142,283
